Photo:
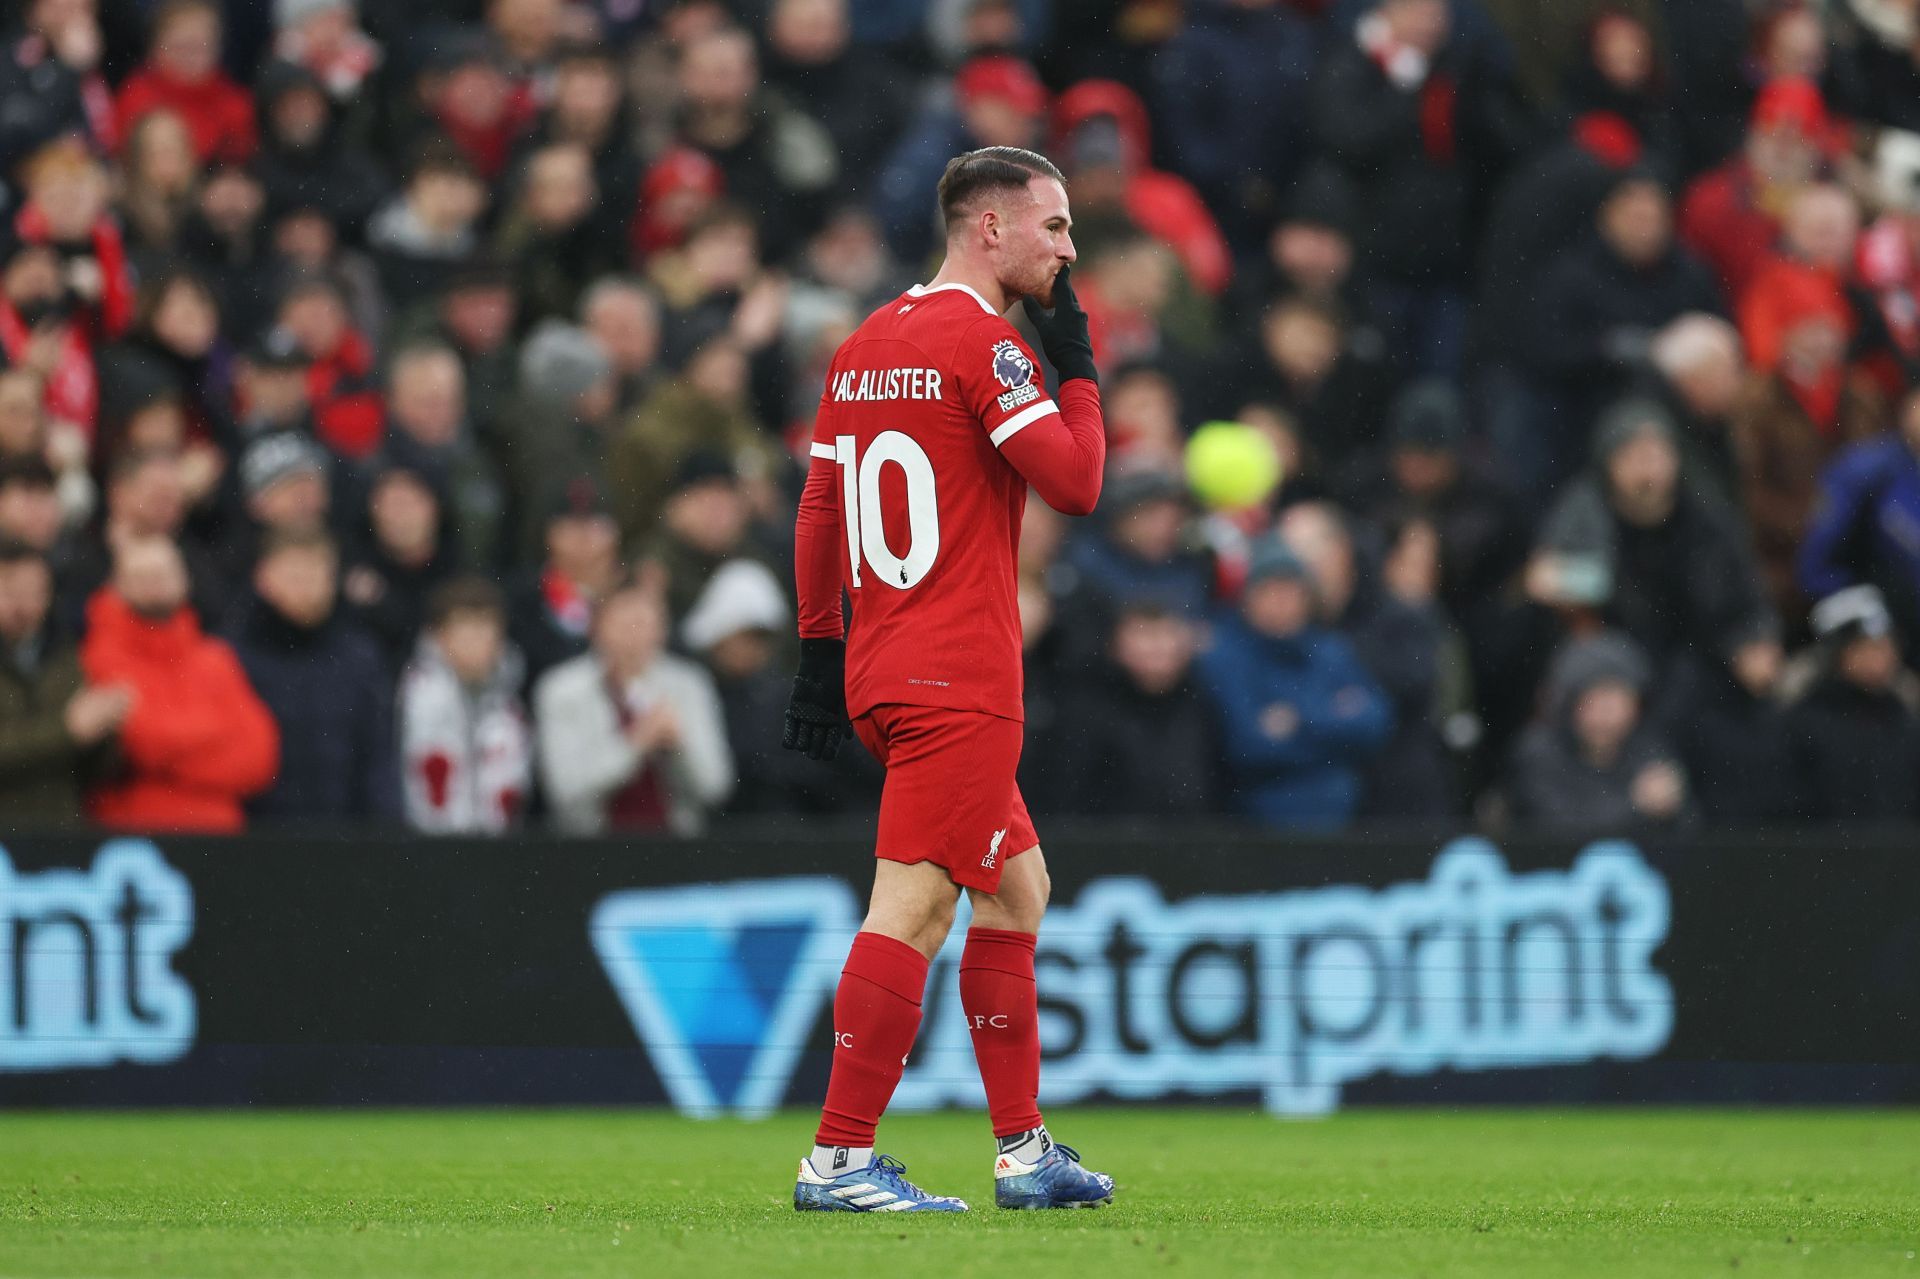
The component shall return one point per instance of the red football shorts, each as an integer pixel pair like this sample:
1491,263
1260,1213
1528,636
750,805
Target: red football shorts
950,797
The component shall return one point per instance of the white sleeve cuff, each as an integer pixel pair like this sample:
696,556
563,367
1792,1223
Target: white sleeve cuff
1021,420
824,450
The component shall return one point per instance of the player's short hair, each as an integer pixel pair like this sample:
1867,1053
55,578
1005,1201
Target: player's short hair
989,171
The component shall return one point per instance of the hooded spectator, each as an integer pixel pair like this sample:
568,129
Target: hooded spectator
474,102
738,628
182,74
465,742
56,730
198,741
304,161
1101,131
1591,765
1632,544
1856,734
1301,718
327,686
631,738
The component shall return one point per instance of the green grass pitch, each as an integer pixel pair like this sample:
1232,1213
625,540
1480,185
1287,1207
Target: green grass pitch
1213,1192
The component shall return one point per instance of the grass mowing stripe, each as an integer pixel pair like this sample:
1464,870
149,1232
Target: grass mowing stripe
1463,1193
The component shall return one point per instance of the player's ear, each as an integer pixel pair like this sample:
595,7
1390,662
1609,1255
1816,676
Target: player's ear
990,226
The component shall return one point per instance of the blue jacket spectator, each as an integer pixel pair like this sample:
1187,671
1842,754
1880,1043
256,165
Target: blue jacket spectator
1138,552
1300,717
1866,525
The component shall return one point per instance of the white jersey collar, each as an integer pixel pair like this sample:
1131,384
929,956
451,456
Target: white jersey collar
921,290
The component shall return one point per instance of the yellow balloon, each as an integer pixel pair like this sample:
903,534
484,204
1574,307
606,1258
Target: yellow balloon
1232,466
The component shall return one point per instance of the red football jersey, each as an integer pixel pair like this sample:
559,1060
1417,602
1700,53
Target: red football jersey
917,404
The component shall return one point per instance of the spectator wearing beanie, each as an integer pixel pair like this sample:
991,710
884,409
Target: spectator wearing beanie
198,741
1301,718
631,738
1855,736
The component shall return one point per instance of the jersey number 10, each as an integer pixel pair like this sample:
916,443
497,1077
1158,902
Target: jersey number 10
860,508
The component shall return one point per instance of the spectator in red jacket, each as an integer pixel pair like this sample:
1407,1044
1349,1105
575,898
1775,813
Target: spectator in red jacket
1731,215
198,740
1101,132
182,74
66,207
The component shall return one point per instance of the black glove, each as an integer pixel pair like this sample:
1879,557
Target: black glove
1063,331
817,714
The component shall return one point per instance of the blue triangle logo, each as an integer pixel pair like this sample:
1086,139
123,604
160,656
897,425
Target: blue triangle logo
723,981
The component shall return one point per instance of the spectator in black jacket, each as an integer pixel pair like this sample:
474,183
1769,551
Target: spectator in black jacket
304,163
1856,735
1591,764
1600,308
1731,732
1412,117
1142,740
1633,544
327,686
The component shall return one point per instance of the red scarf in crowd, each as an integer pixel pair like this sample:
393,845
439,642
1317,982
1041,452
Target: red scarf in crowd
116,281
642,803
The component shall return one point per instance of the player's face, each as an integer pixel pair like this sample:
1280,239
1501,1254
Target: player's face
1038,241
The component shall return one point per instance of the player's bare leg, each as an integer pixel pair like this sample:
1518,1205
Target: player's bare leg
876,1015
997,991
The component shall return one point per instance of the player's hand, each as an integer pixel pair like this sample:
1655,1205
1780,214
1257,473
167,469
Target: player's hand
817,714
1063,331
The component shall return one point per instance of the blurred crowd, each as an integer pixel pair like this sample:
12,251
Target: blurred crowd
404,406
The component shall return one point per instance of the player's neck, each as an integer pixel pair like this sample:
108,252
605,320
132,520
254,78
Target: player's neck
978,278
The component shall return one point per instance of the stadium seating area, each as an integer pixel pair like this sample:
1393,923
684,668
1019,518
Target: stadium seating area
404,405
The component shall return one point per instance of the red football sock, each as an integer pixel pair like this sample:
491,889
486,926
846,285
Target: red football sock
997,991
876,1014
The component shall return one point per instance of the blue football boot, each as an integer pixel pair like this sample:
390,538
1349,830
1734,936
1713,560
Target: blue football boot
1056,1180
879,1187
